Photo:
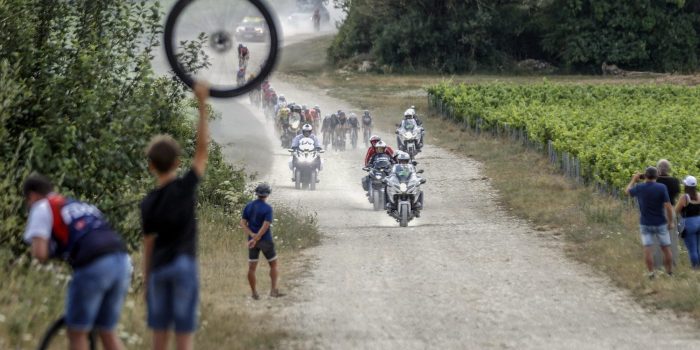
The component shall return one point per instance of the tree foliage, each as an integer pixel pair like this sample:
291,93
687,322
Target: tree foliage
80,102
466,35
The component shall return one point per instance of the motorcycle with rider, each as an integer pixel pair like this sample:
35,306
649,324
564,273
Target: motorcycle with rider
379,168
306,160
404,197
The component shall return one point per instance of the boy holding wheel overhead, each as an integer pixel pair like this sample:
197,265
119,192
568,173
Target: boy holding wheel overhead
170,234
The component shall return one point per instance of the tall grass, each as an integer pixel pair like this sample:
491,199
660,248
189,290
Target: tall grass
32,295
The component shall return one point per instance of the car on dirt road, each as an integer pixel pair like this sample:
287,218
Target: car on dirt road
252,28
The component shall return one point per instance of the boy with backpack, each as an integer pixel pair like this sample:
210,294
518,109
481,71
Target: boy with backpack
77,232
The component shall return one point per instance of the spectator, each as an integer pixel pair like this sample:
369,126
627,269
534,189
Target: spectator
255,222
673,185
63,228
689,209
170,235
653,200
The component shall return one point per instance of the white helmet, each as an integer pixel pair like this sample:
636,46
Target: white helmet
380,144
307,129
403,157
408,113
281,98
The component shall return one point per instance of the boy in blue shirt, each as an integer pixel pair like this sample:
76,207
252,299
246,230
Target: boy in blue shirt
255,222
653,201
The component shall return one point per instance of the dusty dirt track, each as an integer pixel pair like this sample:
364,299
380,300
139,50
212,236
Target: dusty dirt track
464,275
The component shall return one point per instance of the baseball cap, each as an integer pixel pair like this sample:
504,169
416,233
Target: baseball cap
690,181
651,172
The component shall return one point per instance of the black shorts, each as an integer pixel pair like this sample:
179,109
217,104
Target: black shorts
267,248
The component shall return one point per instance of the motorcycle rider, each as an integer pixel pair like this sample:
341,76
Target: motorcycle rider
380,149
371,150
409,117
306,132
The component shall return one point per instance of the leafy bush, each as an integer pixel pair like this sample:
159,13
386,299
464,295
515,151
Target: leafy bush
80,102
457,36
614,130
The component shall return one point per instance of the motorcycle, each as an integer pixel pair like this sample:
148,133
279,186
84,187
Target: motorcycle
375,187
409,134
306,164
405,198
291,130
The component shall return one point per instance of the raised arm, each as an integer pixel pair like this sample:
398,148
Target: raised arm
201,153
634,180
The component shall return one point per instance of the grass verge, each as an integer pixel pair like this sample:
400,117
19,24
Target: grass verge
596,229
31,295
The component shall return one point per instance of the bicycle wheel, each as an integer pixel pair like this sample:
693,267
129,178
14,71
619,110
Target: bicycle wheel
55,337
202,38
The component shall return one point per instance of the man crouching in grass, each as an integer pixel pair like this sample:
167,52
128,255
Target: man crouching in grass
653,199
255,222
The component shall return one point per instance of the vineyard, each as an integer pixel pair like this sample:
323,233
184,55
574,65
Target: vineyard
613,130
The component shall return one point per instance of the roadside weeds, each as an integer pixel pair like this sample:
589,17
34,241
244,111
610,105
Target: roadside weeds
31,296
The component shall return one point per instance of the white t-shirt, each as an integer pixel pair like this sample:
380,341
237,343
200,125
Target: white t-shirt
40,222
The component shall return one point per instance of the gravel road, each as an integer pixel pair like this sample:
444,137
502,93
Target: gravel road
464,275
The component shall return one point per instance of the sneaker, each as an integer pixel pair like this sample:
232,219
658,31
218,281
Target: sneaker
670,274
255,296
651,275
275,293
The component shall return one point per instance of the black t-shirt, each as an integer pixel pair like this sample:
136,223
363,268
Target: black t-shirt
169,212
672,185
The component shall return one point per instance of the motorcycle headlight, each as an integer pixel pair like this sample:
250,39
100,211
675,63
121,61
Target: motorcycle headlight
403,187
378,177
408,134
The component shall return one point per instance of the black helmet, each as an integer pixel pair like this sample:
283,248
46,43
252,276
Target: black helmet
263,190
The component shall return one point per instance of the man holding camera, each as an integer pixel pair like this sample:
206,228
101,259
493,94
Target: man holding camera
653,200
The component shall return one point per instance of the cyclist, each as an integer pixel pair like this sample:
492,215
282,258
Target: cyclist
366,124
240,76
101,267
243,56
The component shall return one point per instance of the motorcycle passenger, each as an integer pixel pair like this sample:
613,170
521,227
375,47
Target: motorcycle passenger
380,150
371,150
318,110
306,132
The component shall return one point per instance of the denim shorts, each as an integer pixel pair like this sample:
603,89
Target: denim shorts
173,295
96,293
648,233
